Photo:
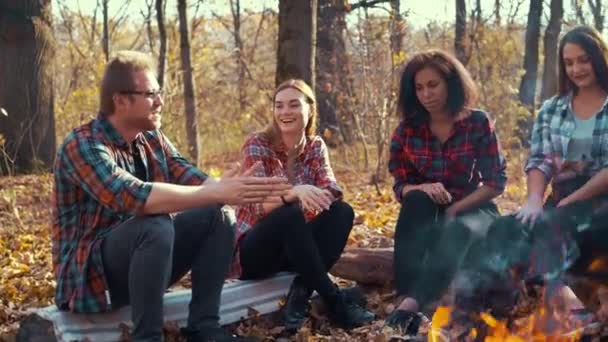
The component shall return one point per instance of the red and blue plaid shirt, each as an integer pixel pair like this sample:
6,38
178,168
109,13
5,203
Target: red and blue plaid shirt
95,190
471,156
311,166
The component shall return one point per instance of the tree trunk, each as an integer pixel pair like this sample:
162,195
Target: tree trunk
373,266
578,9
27,51
162,33
329,62
105,41
460,49
598,14
549,85
527,88
397,28
148,20
235,8
498,18
297,40
477,12
189,99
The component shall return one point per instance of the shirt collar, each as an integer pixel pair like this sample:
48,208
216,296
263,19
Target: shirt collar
280,147
112,134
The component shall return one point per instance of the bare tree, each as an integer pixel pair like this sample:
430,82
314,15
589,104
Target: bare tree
105,41
27,120
235,9
460,48
147,15
331,66
578,10
397,27
162,34
297,40
598,14
189,99
497,12
527,88
549,85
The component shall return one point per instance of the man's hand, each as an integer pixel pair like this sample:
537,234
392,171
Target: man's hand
531,211
239,190
240,186
437,192
313,198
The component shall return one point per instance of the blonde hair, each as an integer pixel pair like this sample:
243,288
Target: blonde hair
118,76
271,132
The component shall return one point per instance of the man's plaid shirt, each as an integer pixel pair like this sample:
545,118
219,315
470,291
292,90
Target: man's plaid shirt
95,190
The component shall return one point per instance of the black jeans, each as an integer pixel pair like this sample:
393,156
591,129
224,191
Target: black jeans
284,241
145,255
428,250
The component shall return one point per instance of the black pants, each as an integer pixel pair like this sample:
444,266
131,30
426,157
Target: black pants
284,241
145,255
428,250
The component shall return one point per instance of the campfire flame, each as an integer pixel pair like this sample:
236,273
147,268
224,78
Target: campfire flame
530,328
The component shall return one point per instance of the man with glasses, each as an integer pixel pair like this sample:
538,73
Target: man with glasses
117,179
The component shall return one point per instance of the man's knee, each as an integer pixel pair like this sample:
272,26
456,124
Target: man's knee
222,223
156,231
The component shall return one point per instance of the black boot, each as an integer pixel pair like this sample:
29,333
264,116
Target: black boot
213,334
296,306
346,313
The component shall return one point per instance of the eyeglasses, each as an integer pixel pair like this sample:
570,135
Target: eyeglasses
147,93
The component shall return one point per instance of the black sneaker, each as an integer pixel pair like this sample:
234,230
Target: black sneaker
408,322
214,334
348,314
296,306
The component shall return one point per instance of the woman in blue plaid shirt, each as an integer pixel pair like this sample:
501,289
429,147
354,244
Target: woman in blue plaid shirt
569,150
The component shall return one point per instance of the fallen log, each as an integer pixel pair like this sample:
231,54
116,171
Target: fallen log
369,266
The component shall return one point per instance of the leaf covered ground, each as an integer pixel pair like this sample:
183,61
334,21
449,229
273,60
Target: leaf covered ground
26,280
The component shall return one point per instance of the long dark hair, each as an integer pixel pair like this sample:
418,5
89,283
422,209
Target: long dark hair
462,92
590,40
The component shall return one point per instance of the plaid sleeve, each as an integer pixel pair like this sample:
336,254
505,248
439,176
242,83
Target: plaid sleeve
491,161
399,164
541,151
323,173
180,169
88,164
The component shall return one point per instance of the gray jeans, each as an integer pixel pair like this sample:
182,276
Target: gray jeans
145,255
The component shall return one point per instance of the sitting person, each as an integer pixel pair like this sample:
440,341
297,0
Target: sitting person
569,150
448,166
307,232
117,179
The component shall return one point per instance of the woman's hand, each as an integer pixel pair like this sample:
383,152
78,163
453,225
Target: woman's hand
436,192
313,198
531,211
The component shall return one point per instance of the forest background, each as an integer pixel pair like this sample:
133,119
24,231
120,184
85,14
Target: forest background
219,61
